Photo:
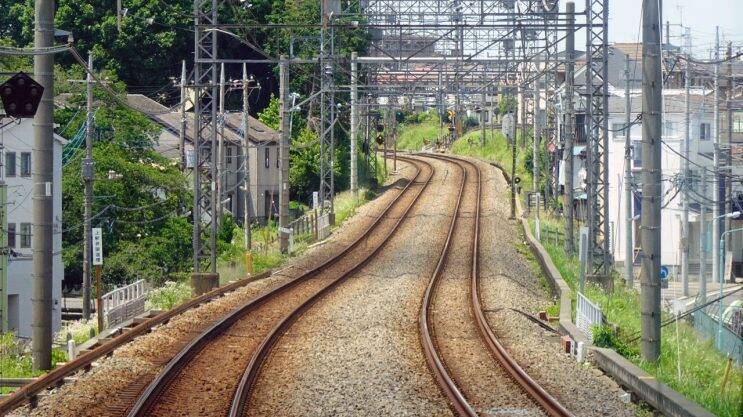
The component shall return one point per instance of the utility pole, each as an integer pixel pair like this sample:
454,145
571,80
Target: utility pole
354,124
569,130
43,218
284,155
220,148
182,131
246,161
727,192
87,175
118,15
686,182
629,250
716,164
703,240
652,187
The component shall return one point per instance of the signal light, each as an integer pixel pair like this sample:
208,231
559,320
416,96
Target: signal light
21,96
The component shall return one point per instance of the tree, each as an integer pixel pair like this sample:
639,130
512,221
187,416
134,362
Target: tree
145,233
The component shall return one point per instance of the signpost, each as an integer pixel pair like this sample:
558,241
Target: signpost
98,263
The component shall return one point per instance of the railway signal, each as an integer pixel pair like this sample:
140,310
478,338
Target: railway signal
21,96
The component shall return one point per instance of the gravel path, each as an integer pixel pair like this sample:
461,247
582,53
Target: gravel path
109,387
485,384
511,280
357,353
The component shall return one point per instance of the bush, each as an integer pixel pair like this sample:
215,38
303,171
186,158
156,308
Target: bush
168,296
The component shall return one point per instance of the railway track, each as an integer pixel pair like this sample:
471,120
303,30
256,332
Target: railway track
221,363
458,362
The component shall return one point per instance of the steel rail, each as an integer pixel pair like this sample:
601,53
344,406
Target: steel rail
56,377
242,395
158,386
547,402
435,363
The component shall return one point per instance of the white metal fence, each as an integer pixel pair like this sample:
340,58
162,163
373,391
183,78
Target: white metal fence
124,303
587,315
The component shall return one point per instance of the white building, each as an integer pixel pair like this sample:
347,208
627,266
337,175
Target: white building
700,151
17,139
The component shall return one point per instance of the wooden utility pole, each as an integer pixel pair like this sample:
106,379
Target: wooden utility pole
246,161
87,175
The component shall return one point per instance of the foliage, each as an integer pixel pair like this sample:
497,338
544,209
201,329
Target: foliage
79,330
507,104
16,360
412,136
144,237
270,115
605,336
171,294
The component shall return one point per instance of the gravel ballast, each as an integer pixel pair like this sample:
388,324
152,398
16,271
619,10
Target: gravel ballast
357,352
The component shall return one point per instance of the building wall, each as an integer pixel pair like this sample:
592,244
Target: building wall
672,164
18,139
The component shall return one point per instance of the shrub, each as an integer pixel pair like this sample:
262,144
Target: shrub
169,295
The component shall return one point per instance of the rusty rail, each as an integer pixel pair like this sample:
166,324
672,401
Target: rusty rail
56,376
242,395
547,402
157,387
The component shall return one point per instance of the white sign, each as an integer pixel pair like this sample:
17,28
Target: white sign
315,200
508,126
97,246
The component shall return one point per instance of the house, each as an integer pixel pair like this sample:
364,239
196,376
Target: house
17,139
263,160
674,119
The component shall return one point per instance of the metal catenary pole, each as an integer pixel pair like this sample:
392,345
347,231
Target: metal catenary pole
43,211
220,148
284,156
537,129
652,182
354,125
629,272
568,130
246,161
183,126
87,175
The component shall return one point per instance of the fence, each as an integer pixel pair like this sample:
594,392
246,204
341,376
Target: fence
124,303
730,340
587,315
315,224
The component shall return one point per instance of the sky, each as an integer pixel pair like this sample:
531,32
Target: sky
700,15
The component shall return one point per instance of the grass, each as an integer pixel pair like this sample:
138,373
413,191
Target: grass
496,149
412,135
16,360
688,364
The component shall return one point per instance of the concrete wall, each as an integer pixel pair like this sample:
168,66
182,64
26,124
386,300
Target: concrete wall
18,139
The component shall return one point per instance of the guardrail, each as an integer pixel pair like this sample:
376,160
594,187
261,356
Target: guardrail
587,315
124,303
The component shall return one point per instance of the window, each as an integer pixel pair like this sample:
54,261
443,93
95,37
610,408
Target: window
25,164
11,235
636,154
229,155
268,158
10,164
670,128
705,131
618,130
278,157
738,122
25,235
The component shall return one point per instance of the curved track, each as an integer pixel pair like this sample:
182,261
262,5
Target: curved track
243,393
436,360
230,340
